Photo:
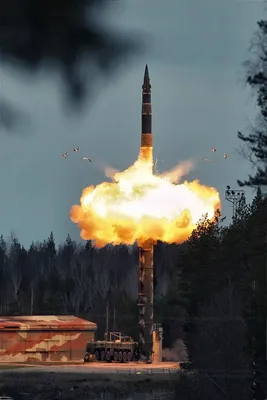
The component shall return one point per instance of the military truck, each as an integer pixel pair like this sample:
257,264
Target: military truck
119,348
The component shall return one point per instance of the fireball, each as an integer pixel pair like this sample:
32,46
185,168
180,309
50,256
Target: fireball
137,205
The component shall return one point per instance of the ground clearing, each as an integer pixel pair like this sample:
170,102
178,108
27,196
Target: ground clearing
105,368
63,386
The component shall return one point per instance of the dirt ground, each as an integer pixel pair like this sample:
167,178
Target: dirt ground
41,385
4,367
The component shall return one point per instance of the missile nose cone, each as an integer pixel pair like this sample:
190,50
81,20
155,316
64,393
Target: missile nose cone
146,73
146,84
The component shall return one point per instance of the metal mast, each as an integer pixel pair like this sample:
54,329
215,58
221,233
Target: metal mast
236,198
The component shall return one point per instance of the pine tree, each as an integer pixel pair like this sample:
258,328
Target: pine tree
256,141
255,310
255,301
212,282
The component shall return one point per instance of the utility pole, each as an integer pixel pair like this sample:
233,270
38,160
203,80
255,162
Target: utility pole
236,197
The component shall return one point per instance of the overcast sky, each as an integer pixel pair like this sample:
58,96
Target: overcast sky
195,49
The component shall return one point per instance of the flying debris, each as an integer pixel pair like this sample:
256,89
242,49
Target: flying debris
155,166
156,171
213,149
65,155
86,159
225,156
76,149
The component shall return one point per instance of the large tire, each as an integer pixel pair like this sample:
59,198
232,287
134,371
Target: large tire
115,356
86,357
108,356
136,356
97,355
102,355
129,356
120,356
124,357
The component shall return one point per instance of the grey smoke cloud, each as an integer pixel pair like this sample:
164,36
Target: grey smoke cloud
177,352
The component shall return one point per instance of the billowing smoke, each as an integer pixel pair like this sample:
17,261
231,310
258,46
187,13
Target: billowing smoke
177,352
110,172
175,174
138,205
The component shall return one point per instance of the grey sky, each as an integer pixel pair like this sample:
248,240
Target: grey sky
194,52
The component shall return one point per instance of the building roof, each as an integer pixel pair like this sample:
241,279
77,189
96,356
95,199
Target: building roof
44,322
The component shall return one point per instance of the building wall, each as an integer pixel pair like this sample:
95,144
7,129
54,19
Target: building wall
43,346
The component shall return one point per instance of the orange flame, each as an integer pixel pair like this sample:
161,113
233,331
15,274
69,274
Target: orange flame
138,205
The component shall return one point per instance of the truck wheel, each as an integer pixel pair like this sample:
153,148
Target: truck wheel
120,356
102,355
115,356
86,357
129,356
97,355
108,356
124,357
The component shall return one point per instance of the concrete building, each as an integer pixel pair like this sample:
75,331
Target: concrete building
49,338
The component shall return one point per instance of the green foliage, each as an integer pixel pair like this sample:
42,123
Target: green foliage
198,261
222,286
256,141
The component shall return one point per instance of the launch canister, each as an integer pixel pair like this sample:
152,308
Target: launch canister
146,135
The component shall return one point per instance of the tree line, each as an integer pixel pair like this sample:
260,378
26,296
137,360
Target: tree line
75,278
221,281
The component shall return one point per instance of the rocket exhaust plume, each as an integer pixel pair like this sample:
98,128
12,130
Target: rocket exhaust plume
140,206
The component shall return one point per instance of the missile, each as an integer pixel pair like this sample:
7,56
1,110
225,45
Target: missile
146,135
146,283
